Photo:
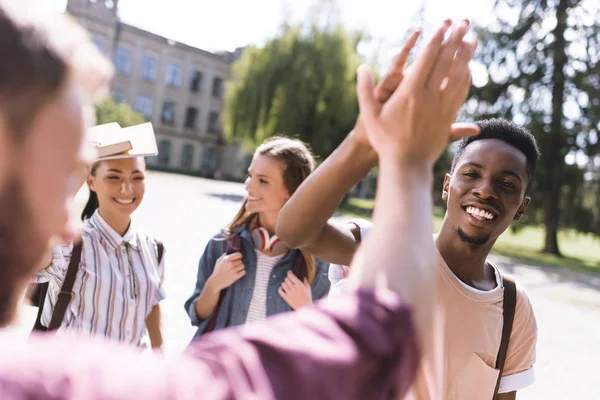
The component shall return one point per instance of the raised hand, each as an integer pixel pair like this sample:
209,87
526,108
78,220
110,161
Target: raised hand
415,123
295,292
228,269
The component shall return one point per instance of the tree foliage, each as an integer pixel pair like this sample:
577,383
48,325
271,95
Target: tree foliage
300,84
541,63
123,114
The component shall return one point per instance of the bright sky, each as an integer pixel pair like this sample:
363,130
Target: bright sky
227,24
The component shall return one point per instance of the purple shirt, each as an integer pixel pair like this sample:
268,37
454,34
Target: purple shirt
352,346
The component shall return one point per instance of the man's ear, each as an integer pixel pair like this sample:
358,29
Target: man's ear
446,187
522,208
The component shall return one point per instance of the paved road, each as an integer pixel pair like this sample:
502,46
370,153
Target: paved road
185,212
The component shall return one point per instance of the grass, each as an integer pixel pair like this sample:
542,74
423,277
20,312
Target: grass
580,251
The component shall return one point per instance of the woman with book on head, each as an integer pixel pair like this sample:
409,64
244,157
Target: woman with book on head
111,283
246,273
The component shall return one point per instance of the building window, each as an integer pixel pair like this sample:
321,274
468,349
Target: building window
118,96
173,75
209,158
168,113
164,152
190,117
187,156
217,88
143,105
99,44
196,82
213,122
149,69
123,61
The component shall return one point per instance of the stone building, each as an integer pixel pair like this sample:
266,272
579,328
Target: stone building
177,87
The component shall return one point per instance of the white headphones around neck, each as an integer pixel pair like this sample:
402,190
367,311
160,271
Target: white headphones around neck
263,241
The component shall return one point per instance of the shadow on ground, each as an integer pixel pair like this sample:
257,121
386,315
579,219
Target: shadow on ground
552,273
227,197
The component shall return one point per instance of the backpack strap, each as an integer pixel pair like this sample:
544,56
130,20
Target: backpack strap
161,250
508,316
41,290
300,268
234,244
66,291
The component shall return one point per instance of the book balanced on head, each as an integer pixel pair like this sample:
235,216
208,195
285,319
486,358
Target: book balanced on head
112,141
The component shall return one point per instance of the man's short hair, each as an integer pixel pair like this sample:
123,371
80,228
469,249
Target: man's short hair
40,50
508,132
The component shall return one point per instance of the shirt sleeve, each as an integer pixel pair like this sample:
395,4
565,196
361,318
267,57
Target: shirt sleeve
360,346
61,256
521,355
205,269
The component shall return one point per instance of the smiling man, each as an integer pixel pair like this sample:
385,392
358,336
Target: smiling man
486,190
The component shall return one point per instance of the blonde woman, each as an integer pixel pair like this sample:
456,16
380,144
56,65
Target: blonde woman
246,274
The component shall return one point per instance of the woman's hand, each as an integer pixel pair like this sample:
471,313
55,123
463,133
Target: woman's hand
296,293
229,268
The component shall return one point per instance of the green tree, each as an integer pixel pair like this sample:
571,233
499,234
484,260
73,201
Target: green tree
123,114
541,60
300,84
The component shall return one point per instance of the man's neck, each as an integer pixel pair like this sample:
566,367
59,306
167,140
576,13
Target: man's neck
465,260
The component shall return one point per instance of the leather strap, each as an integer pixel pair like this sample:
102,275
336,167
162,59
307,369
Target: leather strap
66,291
161,250
508,316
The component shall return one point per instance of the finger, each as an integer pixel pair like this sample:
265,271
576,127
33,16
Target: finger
286,297
293,278
235,264
238,269
446,56
287,287
426,61
234,256
306,283
366,100
393,77
460,130
239,275
459,78
459,94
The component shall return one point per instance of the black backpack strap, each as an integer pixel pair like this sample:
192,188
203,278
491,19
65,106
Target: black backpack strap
508,315
66,291
161,250
41,291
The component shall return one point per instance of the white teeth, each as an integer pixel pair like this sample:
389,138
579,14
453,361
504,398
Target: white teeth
130,201
479,212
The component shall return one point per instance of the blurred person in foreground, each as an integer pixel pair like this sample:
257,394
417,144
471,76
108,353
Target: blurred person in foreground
364,344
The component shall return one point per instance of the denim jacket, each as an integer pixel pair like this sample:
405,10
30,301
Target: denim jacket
236,299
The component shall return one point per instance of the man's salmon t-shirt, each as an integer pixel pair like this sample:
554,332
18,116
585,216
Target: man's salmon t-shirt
468,329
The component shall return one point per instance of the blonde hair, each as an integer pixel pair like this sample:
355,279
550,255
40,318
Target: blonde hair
299,163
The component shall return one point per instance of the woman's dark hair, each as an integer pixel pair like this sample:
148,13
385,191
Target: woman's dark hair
92,203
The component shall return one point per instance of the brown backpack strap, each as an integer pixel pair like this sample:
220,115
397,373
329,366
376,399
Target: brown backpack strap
66,291
508,316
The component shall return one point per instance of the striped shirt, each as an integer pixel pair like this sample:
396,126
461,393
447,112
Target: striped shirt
118,282
258,304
